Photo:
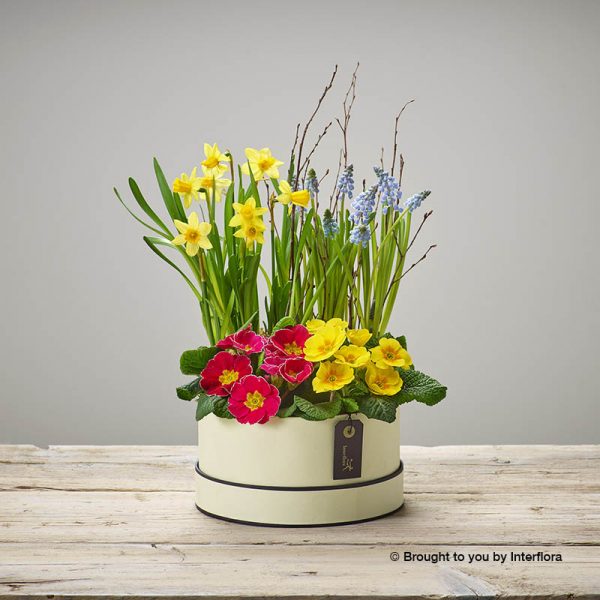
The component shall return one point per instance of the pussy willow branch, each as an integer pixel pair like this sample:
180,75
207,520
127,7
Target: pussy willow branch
396,136
310,120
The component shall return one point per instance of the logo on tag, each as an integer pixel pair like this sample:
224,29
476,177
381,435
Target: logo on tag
347,449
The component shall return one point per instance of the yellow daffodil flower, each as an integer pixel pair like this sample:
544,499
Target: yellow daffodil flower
353,356
383,382
220,185
390,353
262,163
358,337
251,232
188,187
324,343
246,213
332,376
211,165
193,234
314,325
287,196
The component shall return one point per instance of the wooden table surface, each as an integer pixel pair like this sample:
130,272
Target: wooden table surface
118,521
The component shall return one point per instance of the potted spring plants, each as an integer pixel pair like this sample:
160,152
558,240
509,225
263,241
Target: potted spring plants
297,396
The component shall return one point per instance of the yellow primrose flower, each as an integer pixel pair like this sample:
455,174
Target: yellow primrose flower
353,356
390,353
287,196
332,376
324,343
383,382
314,325
220,185
251,232
262,163
339,323
193,234
188,187
358,337
246,213
211,165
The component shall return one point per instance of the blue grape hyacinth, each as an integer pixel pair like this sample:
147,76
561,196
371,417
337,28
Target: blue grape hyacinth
345,183
312,183
389,189
415,201
360,234
363,205
330,225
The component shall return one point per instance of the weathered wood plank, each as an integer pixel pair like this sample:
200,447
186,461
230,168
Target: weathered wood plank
443,455
424,477
114,571
419,478
155,468
170,517
136,504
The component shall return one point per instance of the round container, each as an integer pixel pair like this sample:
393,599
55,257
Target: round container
281,473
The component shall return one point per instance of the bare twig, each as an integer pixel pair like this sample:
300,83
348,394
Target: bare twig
425,217
416,263
310,120
304,166
347,107
324,175
332,206
396,135
401,170
295,143
397,279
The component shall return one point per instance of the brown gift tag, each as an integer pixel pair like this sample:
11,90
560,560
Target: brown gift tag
347,449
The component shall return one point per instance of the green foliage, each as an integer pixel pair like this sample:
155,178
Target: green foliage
192,362
205,406
220,408
420,387
282,323
349,405
378,407
190,390
288,411
318,412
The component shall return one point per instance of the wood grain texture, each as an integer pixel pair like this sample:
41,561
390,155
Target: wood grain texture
119,521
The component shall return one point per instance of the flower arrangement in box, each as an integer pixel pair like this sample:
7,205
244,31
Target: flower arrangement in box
317,349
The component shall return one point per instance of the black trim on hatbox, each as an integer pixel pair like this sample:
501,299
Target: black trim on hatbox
279,525
311,488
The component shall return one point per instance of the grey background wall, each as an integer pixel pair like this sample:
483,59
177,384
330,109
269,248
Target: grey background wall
504,130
